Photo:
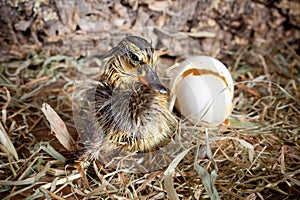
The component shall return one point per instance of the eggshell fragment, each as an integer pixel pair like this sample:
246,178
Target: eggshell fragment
203,88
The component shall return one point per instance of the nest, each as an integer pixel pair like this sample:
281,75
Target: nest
253,155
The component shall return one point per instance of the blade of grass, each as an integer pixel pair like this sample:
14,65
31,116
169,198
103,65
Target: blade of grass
7,143
168,182
58,127
51,151
208,180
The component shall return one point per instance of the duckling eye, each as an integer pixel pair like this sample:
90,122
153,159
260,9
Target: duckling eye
134,57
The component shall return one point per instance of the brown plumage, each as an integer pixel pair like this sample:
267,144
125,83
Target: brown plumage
131,104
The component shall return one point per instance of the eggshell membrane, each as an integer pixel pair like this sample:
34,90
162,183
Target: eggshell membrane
204,90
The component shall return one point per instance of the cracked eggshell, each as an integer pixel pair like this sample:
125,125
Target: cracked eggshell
203,89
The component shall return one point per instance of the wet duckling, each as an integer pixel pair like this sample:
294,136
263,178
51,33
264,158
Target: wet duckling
130,101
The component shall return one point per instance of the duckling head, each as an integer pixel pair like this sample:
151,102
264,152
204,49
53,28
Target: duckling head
133,60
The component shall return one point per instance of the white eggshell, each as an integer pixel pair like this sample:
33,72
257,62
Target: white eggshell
204,90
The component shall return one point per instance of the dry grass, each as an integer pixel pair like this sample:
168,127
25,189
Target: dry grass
255,156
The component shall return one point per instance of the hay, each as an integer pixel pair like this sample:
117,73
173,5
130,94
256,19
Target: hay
256,155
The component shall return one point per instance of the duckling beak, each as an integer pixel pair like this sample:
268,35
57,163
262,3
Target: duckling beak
151,80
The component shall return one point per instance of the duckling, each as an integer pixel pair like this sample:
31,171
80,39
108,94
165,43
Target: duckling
131,104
